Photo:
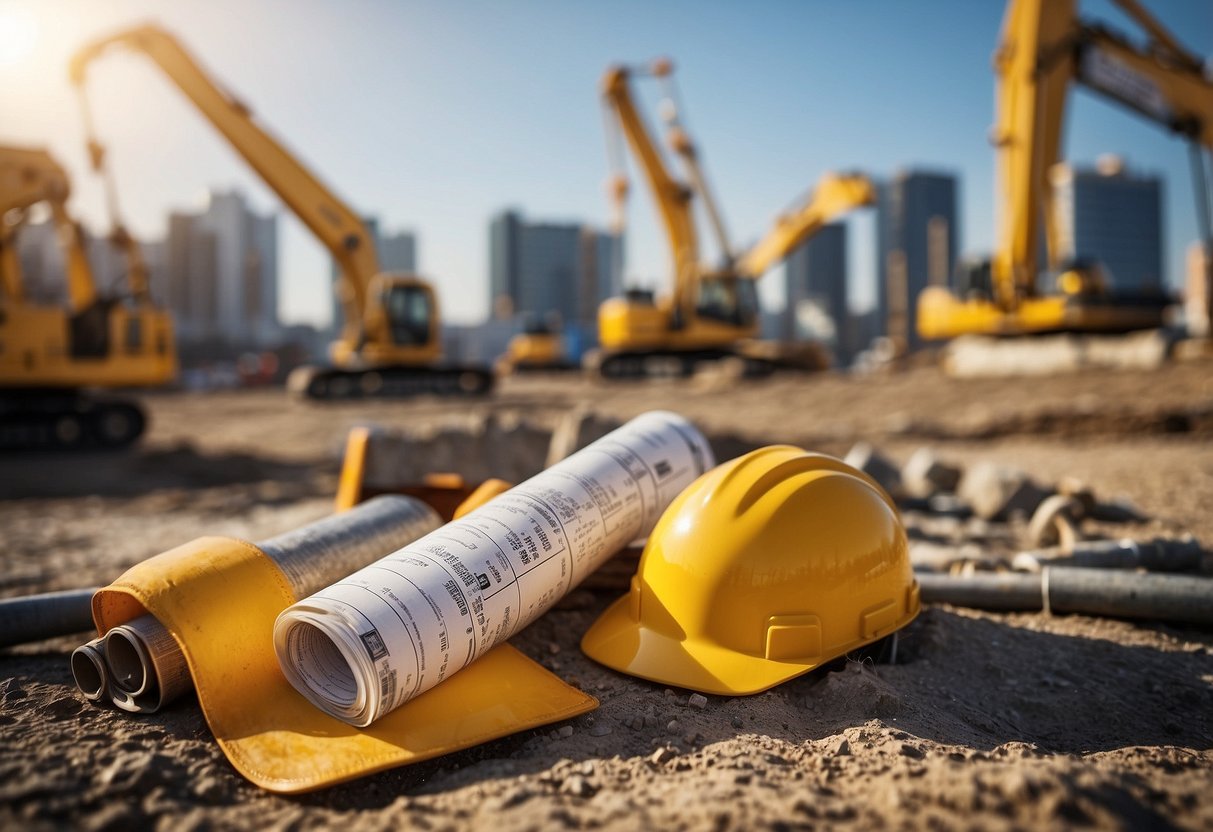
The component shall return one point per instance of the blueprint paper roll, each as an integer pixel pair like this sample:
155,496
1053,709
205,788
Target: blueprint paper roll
371,642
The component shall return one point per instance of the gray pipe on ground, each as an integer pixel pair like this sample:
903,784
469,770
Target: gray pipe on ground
1186,599
1158,555
51,614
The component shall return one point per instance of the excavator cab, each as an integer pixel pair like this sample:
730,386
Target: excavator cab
409,309
729,299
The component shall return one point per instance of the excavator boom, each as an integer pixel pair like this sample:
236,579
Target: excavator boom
333,223
672,197
29,176
391,343
1044,49
835,195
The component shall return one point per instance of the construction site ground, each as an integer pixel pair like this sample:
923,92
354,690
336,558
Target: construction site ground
987,721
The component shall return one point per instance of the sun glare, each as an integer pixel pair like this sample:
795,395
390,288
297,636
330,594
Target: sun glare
18,36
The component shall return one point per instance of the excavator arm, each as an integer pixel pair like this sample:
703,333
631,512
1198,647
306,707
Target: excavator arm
835,195
672,197
338,228
29,177
1044,48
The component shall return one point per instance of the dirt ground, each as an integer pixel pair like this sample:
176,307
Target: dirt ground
986,721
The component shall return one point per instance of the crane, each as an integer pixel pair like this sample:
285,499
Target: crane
1044,49
53,357
712,313
390,344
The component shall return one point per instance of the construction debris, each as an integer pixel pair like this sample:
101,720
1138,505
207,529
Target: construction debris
876,465
1053,522
995,492
925,475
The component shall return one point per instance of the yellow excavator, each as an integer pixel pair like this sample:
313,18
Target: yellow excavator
1044,49
391,342
54,357
540,347
712,314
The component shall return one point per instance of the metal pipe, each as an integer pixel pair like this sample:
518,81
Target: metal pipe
145,663
1185,599
983,590
313,556
51,614
90,670
1116,593
128,661
1158,555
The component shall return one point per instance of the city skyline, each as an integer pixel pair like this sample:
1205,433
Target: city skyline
444,114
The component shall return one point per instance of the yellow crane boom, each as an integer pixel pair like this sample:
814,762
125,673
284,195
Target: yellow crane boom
29,176
333,223
835,195
673,198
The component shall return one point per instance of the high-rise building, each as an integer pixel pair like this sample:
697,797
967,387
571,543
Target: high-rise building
245,269
550,268
602,269
503,263
397,252
1113,216
221,273
545,270
916,244
815,283
192,283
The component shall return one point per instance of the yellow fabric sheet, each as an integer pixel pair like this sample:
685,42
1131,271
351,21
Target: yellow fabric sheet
219,598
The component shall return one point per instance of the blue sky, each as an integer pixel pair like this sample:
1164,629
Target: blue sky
436,115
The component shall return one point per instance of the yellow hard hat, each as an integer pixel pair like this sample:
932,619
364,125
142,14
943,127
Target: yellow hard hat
764,568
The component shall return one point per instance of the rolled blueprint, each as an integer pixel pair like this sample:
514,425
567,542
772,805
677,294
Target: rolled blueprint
371,642
140,667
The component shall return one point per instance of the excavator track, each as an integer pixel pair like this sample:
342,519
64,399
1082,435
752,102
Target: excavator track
623,366
396,382
66,420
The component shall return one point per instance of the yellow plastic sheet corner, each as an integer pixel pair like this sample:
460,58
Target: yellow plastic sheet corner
219,598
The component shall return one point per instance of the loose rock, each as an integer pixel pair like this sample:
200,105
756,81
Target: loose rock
578,786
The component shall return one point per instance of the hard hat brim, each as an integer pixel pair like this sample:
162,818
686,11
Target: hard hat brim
621,643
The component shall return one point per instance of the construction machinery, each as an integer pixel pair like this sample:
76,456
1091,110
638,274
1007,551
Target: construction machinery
390,344
540,347
712,313
53,356
1044,49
